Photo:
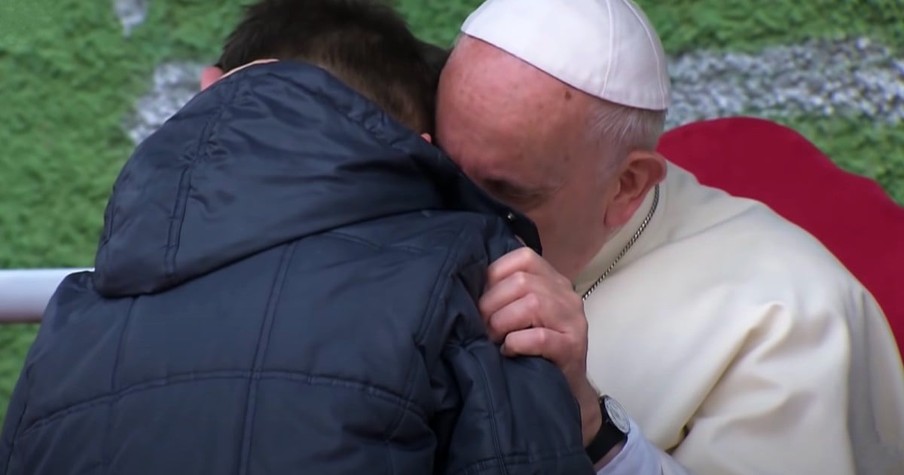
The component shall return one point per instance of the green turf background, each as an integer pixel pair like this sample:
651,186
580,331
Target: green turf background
68,80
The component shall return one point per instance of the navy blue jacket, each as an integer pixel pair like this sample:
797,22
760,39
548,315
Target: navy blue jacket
286,284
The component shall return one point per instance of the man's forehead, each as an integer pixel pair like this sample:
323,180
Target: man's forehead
502,146
480,69
506,113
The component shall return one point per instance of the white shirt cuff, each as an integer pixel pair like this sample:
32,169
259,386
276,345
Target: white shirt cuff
637,457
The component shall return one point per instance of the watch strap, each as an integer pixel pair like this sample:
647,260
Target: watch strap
608,436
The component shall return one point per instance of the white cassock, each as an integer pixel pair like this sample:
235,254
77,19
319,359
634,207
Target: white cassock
740,345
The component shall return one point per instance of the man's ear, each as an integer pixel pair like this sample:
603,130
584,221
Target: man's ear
643,170
210,75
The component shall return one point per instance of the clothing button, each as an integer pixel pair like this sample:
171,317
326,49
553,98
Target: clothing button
510,216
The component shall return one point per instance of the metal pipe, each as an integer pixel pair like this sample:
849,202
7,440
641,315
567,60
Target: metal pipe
24,293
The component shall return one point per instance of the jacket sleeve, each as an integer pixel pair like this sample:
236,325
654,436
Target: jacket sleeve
511,415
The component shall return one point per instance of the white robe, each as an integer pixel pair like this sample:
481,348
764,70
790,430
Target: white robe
740,345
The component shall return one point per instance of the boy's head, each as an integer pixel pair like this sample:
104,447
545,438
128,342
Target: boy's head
364,43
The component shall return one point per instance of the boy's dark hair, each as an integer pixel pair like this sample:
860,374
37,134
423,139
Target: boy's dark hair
364,43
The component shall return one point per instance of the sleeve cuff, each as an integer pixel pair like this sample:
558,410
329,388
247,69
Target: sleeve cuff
637,457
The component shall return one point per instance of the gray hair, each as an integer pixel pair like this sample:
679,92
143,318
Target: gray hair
621,129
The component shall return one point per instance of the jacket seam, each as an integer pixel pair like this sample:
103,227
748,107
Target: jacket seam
464,345
373,245
108,429
177,216
494,426
110,219
441,289
185,378
263,342
440,285
176,219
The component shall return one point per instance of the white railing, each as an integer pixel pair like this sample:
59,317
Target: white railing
24,293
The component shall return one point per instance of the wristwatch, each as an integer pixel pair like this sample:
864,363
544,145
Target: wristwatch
613,431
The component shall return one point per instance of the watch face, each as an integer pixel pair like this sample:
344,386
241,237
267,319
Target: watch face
617,414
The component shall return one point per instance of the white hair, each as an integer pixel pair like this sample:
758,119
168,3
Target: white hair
620,129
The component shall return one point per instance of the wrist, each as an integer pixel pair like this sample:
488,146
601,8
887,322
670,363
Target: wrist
591,415
601,463
612,434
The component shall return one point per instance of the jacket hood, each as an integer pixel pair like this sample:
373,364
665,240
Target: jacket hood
272,154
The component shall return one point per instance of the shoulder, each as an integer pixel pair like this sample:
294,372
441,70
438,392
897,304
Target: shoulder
437,252
729,263
460,235
443,257
744,241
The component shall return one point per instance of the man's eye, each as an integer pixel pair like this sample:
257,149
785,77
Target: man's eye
512,194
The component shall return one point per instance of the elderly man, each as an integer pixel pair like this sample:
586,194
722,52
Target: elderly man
734,340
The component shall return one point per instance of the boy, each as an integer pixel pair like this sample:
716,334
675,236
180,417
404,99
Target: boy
286,283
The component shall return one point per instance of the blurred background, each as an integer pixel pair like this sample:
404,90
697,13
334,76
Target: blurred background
82,81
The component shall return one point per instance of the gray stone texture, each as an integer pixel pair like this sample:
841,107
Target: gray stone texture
131,13
819,78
